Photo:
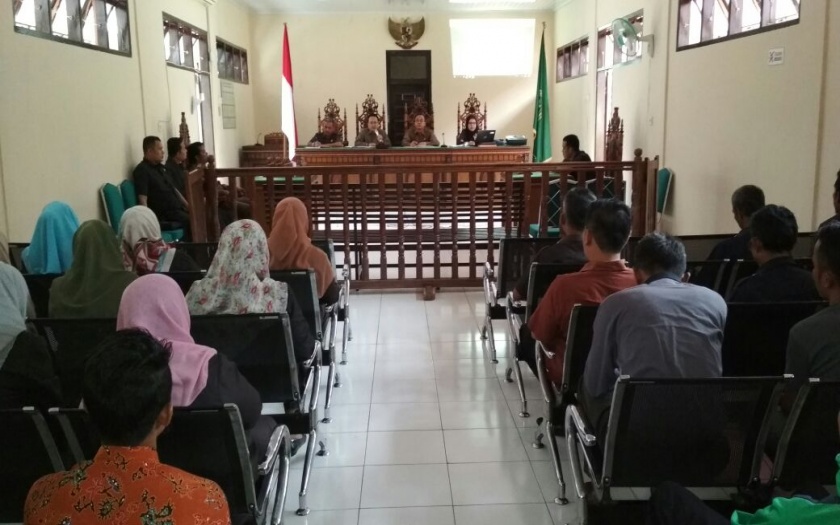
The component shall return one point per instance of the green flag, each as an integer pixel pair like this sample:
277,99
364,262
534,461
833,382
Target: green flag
542,128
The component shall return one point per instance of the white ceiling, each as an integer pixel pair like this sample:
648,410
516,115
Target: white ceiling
396,6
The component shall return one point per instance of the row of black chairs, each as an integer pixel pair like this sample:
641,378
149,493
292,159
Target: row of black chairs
259,344
32,446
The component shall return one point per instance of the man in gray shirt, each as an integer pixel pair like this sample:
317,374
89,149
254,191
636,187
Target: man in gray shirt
663,328
814,344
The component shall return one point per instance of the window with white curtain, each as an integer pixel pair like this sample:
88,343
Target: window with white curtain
492,47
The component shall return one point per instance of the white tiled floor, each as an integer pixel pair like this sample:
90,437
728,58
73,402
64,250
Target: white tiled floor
425,431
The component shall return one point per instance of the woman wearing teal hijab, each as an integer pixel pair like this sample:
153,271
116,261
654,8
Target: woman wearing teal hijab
51,249
94,284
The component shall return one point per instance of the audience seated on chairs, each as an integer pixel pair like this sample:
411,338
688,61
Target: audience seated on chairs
176,161
93,285
604,236
27,374
329,137
671,504
143,248
201,376
291,249
419,134
469,133
773,231
128,390
663,328
156,188
569,249
836,199
238,283
372,135
814,344
197,157
51,248
745,202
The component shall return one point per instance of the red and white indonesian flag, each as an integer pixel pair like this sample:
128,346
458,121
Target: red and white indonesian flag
288,124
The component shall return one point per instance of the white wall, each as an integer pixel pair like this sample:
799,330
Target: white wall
74,118
342,56
718,115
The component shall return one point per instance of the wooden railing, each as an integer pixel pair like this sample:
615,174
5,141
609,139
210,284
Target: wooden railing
406,226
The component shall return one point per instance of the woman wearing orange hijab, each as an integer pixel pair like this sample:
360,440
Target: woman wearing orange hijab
291,249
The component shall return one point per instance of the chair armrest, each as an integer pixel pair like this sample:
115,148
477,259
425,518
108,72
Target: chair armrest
489,273
576,428
518,307
547,388
316,375
280,440
316,353
574,416
514,319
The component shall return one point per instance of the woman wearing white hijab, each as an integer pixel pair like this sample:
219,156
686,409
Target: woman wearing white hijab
27,374
143,248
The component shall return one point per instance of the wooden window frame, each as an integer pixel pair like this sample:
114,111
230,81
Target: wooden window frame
573,53
79,9
186,35
734,10
235,53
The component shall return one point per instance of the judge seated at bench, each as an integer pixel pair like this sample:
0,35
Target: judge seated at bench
372,135
419,134
156,189
328,137
778,279
468,134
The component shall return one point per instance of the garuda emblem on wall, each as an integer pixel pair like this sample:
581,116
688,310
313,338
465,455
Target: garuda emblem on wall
405,32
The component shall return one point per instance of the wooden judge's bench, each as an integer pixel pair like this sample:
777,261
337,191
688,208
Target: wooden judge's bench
433,155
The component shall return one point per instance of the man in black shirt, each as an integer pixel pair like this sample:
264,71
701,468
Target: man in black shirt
569,249
773,232
177,156
156,189
328,138
571,150
836,197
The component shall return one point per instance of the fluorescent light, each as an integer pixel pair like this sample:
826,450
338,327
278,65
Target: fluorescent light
492,1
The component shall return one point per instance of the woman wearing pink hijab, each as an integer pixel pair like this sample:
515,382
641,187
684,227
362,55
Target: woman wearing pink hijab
201,377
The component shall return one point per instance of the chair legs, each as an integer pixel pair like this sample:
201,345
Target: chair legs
520,385
555,460
331,377
303,509
347,336
490,337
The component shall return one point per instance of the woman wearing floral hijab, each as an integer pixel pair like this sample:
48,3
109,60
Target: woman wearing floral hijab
238,282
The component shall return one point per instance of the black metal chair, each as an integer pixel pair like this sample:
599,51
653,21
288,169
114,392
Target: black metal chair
578,342
756,335
15,255
809,442
194,436
342,309
72,342
741,269
185,280
321,321
27,452
515,256
39,290
261,347
200,252
695,432
540,277
713,274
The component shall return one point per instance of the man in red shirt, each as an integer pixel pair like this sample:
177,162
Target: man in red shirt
606,232
127,386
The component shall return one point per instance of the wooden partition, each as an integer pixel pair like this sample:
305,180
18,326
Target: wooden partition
202,199
405,226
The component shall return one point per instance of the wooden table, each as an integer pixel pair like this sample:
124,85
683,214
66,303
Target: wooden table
365,156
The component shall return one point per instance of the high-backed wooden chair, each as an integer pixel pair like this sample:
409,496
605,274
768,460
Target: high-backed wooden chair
615,138
472,108
419,107
333,112
370,107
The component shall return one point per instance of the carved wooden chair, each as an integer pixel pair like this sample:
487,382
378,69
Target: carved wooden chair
419,107
472,108
333,112
370,107
615,138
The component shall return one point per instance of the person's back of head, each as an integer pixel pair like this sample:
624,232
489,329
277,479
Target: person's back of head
575,206
773,230
573,142
607,229
746,200
827,262
127,387
659,254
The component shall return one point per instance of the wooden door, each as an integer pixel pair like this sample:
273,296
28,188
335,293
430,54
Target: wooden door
409,75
